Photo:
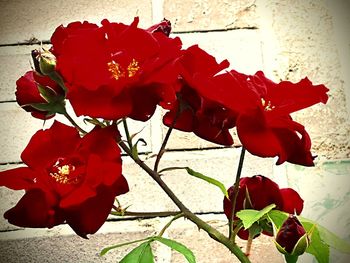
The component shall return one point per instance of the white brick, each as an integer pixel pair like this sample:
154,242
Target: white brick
22,20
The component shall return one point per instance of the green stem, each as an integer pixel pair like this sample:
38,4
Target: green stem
166,139
71,120
236,230
212,232
145,214
169,223
162,148
127,134
249,246
235,191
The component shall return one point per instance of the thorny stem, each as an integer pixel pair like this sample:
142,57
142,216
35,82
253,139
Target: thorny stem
169,223
235,191
212,232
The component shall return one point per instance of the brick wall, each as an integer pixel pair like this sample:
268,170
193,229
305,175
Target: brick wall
287,39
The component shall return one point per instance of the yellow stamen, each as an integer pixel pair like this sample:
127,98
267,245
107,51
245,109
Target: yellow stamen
267,106
118,72
133,68
62,175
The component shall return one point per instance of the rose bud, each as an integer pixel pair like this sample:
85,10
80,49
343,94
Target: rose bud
39,95
163,27
292,238
47,62
35,56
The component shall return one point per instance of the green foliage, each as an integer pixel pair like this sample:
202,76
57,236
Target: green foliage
188,254
107,249
250,216
140,254
143,252
208,179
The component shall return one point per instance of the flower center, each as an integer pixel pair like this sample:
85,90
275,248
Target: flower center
267,105
119,72
63,172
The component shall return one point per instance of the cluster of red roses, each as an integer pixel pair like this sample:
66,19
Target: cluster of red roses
116,71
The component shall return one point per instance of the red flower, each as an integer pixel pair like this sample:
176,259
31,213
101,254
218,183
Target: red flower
28,95
68,179
289,236
264,124
194,111
257,192
116,70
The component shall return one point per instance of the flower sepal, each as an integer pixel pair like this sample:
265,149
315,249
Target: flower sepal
55,101
51,108
299,248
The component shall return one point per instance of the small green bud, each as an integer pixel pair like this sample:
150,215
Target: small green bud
47,62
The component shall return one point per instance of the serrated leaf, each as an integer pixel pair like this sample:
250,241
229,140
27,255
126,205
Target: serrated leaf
188,254
208,179
141,254
250,216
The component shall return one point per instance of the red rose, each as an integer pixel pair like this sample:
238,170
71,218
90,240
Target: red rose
67,179
264,124
257,192
30,98
116,70
194,110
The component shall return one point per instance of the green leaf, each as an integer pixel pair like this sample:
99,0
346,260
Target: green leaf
255,230
207,179
106,249
329,237
188,254
250,216
141,254
317,247
277,218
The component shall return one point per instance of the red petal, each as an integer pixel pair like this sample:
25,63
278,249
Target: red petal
101,103
88,217
262,192
27,91
292,202
288,97
46,146
18,178
34,210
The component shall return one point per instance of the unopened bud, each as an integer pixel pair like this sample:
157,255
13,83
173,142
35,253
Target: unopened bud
292,238
47,62
163,27
36,56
